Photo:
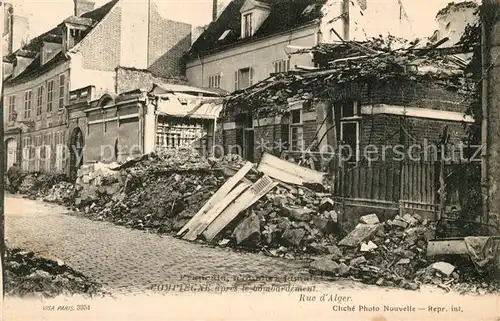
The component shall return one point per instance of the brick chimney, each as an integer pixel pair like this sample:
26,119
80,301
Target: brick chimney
83,6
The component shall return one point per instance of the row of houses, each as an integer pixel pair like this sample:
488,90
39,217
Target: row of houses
121,80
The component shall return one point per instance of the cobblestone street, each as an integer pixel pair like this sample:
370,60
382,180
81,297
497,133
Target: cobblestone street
127,260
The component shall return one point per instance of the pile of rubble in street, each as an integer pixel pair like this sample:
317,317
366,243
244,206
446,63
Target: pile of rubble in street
275,207
54,187
393,253
31,276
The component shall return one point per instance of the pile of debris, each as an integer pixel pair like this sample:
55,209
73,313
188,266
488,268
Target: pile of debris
162,193
157,192
63,193
289,221
28,275
394,253
38,185
374,62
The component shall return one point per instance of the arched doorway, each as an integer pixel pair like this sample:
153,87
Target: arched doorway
11,148
76,152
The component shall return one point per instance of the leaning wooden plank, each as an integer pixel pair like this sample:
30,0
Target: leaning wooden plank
247,199
219,195
288,172
204,221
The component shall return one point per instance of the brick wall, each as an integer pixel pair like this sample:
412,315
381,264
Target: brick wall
101,48
387,130
407,93
267,139
128,79
168,41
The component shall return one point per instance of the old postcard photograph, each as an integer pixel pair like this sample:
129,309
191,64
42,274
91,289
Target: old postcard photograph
250,160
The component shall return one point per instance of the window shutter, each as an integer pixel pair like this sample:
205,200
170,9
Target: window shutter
236,84
250,76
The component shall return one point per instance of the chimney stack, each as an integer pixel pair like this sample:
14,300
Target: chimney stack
83,6
214,10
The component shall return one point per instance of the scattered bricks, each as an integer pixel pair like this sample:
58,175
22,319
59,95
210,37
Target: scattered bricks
429,235
306,227
361,233
443,267
325,265
113,189
297,213
334,216
357,261
335,251
248,228
369,219
410,220
326,204
293,236
366,247
403,261
343,269
399,223
418,218
315,248
325,226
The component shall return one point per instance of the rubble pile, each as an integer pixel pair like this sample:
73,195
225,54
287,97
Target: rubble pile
289,221
159,191
393,253
63,193
28,275
39,185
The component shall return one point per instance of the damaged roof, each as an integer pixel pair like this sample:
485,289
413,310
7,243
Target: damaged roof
367,63
32,49
284,15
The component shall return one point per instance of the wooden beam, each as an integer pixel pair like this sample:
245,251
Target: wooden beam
218,196
212,214
244,201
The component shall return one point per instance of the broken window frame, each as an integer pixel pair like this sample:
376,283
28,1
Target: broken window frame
296,128
351,118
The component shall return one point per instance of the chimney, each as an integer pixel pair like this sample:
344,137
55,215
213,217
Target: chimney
214,10
83,6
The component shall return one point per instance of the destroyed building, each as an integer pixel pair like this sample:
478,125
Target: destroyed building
384,94
144,116
86,49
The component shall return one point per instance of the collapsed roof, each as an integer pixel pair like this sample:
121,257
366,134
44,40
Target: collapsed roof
348,62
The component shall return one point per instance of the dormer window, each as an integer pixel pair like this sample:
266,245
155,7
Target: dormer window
76,34
253,15
247,19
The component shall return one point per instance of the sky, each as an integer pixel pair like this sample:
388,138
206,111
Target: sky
45,14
